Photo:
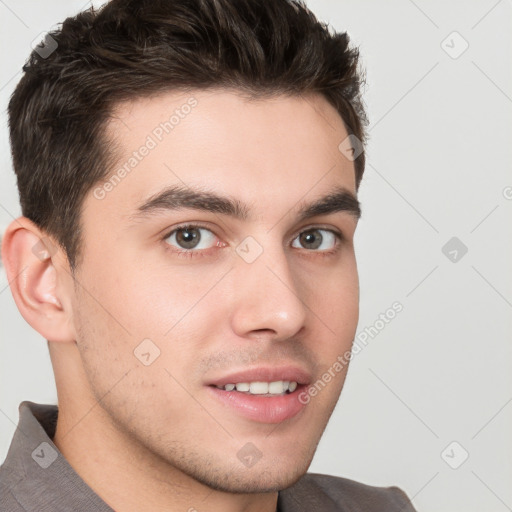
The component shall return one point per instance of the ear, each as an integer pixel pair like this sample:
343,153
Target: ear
40,280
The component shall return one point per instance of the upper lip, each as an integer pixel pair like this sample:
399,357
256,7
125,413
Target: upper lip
265,374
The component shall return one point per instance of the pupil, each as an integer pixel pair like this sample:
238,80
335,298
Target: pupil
188,238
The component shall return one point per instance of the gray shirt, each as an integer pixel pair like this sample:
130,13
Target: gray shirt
35,476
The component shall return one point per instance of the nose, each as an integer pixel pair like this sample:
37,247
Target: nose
267,299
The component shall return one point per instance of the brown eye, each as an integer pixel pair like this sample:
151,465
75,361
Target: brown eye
191,237
316,239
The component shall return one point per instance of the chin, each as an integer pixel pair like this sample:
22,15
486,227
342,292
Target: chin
271,476
258,482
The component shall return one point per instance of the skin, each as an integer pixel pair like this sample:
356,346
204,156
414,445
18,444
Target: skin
151,437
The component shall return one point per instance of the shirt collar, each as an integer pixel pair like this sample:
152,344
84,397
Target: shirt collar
37,474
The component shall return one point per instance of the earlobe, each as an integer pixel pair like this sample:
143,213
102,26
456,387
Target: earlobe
30,258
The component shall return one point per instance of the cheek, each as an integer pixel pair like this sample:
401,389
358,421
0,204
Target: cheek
180,305
130,371
335,298
135,301
336,310
123,301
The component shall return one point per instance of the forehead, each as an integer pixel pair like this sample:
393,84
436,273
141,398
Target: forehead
281,147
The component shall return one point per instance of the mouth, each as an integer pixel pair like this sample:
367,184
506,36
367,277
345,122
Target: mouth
260,388
264,395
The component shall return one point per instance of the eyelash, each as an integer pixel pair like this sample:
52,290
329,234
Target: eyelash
191,253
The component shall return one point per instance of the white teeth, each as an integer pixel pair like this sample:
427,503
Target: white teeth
259,388
244,386
277,387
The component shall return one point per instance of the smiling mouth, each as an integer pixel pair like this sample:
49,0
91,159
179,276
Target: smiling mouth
262,388
263,394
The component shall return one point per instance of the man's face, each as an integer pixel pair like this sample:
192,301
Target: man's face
189,293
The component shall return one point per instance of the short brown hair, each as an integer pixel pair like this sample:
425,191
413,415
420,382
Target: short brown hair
134,48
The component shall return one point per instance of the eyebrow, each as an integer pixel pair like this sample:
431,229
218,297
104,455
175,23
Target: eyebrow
177,198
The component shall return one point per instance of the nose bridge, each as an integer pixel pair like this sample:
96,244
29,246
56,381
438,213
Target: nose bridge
267,296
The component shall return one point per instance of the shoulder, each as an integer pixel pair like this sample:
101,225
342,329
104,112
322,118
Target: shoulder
8,502
330,493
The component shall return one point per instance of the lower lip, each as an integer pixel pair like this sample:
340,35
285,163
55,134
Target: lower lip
263,409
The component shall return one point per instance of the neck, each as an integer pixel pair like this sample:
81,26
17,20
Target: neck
129,478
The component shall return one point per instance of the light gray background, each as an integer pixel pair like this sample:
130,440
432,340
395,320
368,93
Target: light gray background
438,167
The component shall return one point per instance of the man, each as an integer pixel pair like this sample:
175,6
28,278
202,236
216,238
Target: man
188,175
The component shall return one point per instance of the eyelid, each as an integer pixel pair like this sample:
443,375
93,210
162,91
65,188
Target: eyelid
168,232
331,229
